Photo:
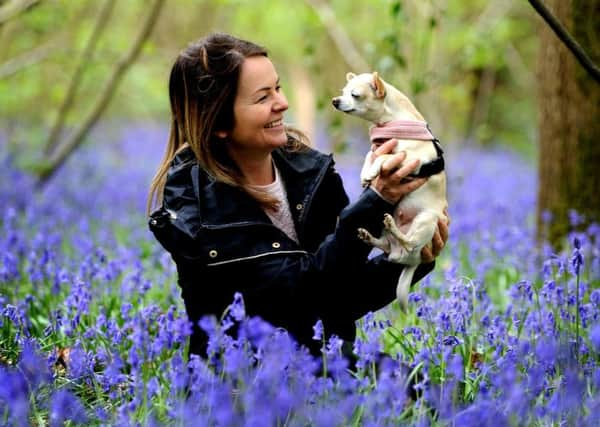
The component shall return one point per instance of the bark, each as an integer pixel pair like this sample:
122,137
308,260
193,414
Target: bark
569,129
78,136
564,35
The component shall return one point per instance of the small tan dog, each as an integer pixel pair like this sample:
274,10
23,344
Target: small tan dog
415,218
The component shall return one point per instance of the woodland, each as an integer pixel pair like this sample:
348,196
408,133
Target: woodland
504,331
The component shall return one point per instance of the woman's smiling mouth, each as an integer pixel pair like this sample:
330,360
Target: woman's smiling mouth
276,123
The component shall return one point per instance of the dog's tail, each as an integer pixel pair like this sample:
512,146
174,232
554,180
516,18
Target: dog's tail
403,286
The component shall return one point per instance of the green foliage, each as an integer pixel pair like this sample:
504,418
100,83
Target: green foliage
436,52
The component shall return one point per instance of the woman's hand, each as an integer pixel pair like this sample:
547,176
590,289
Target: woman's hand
430,252
393,182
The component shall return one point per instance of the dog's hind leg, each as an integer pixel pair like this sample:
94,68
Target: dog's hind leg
420,233
392,227
381,243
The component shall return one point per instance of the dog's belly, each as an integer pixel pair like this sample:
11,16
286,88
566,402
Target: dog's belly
404,217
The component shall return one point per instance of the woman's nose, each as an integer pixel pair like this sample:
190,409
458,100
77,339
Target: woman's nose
281,103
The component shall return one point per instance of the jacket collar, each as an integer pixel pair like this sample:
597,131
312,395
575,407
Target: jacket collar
221,205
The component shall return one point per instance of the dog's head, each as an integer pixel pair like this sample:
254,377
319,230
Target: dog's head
363,96
369,97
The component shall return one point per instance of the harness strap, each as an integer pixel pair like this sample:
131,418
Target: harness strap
433,167
412,129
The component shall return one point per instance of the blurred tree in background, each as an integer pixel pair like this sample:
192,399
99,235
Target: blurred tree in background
468,64
569,121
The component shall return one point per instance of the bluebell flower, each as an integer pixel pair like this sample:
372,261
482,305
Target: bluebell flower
256,330
237,309
33,366
576,257
450,340
594,336
318,330
575,218
14,394
65,406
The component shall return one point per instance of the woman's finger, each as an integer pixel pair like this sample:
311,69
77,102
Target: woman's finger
444,230
412,185
393,163
386,148
437,244
427,255
406,169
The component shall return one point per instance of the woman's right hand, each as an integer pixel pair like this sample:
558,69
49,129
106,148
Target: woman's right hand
393,182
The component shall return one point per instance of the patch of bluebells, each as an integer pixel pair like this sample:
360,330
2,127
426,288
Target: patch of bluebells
92,329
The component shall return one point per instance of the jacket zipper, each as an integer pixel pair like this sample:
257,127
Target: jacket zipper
310,197
234,260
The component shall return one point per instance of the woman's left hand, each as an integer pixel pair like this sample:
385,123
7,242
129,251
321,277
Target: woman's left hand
430,252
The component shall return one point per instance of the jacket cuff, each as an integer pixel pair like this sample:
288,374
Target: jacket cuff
367,212
380,195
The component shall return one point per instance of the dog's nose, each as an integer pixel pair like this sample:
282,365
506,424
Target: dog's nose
335,102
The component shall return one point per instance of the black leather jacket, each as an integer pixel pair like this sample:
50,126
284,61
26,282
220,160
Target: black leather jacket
223,242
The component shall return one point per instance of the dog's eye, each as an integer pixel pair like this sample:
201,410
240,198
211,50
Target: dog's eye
355,94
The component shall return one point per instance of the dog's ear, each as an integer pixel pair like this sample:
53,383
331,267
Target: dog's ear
350,76
378,86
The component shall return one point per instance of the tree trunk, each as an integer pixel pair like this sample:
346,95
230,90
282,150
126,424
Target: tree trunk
569,125
84,60
47,170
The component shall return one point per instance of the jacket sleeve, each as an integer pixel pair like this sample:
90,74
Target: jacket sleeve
384,276
343,247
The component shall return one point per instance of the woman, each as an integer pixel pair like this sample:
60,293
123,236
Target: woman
244,205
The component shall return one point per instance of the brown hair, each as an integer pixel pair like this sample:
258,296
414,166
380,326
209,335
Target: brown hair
202,88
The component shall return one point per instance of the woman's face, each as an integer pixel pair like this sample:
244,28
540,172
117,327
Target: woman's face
258,109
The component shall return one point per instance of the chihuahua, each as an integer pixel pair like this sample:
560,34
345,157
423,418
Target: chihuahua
415,217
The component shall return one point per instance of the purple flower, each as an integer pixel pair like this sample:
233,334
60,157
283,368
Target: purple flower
577,256
575,219
318,331
33,366
256,331
481,414
65,406
450,340
595,337
237,309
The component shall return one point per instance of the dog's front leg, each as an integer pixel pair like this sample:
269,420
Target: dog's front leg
371,168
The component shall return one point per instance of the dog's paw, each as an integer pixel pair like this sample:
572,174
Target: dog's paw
364,235
388,221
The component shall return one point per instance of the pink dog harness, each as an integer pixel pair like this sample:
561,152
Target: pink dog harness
402,129
411,129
